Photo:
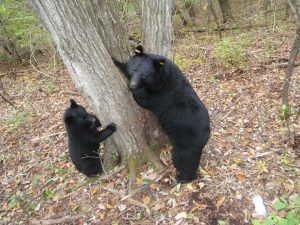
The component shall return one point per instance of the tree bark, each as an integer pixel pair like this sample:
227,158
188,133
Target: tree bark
225,10
91,68
293,56
157,31
106,20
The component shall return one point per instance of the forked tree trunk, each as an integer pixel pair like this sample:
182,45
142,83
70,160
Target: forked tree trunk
157,32
89,63
226,10
106,20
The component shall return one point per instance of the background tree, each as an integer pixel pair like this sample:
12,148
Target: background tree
293,56
225,10
84,53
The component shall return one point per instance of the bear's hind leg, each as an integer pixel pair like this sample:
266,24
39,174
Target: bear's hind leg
92,167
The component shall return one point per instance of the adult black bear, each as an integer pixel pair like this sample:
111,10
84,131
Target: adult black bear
84,138
158,84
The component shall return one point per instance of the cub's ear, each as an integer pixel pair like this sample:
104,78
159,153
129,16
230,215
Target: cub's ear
73,103
139,50
159,63
68,119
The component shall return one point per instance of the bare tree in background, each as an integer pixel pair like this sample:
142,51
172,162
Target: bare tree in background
85,38
264,5
156,17
226,10
293,56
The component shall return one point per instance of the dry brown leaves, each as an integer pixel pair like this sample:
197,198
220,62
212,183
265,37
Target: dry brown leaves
250,150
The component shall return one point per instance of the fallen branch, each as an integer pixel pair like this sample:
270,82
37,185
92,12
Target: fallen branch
70,93
7,101
65,219
279,65
50,135
259,155
19,73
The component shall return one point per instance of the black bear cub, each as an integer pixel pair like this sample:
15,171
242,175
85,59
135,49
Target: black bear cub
158,84
84,138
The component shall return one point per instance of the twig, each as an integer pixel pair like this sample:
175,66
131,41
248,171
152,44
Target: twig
106,176
130,200
7,100
101,177
50,135
65,219
259,155
32,56
144,186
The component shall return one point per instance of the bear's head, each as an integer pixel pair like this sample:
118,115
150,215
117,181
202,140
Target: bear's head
146,70
77,116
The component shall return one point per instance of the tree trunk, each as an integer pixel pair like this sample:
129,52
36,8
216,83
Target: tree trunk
264,5
91,68
106,20
157,32
213,11
293,56
288,9
191,10
225,10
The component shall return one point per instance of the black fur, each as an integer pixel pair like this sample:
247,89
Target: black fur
158,84
84,138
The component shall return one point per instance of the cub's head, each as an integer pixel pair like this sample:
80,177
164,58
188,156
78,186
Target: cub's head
77,116
146,70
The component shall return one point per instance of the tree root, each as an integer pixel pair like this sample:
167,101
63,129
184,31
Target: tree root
152,158
132,173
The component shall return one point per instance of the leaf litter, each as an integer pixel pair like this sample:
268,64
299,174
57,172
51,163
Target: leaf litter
251,152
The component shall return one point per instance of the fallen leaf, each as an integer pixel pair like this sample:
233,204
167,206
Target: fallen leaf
166,180
181,216
189,186
157,207
108,206
139,181
146,200
220,201
101,216
153,186
198,206
245,142
94,191
241,177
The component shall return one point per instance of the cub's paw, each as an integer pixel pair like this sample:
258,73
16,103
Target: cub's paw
112,127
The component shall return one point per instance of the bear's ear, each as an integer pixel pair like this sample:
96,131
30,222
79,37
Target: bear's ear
68,119
73,103
159,63
139,50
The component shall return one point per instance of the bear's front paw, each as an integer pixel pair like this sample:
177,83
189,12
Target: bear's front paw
112,127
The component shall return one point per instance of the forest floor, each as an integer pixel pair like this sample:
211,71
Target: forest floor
251,151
